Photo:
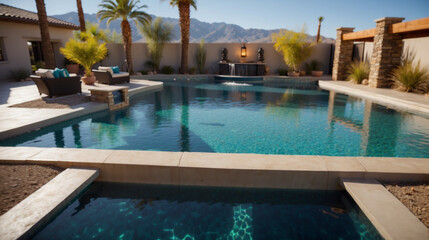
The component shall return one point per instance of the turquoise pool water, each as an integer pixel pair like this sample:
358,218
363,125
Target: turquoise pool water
130,211
228,118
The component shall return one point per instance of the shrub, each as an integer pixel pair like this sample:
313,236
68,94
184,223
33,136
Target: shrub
313,65
358,71
192,70
411,77
201,57
167,70
85,53
19,74
144,72
39,64
282,71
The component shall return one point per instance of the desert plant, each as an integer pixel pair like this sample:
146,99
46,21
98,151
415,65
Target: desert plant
156,34
293,46
318,29
85,53
19,74
201,57
313,65
358,71
411,77
192,70
144,72
167,70
282,71
39,64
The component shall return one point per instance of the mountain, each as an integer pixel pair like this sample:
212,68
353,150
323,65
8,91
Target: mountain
211,32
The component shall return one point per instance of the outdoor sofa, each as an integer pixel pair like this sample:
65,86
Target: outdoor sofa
52,86
106,75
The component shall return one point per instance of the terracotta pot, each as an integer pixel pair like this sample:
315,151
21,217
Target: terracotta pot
316,73
72,68
302,73
88,80
293,74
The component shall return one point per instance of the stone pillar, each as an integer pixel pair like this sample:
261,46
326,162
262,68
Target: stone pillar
386,53
342,55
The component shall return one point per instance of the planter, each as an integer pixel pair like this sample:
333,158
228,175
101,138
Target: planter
316,73
88,80
301,73
293,74
72,68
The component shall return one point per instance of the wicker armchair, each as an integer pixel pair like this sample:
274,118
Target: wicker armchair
57,86
106,77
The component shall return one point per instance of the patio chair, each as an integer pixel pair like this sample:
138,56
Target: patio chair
105,75
57,86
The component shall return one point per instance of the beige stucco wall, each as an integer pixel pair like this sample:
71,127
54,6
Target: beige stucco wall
172,53
15,37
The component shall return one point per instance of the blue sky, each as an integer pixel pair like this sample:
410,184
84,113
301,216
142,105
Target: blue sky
268,14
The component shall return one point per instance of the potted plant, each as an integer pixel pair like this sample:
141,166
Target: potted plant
71,66
85,52
294,47
314,68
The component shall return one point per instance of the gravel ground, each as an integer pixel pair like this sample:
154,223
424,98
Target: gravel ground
60,102
414,196
19,181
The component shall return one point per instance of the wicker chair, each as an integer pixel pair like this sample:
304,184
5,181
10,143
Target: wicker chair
106,77
57,86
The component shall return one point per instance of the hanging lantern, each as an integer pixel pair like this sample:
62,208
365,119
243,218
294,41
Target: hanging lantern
243,50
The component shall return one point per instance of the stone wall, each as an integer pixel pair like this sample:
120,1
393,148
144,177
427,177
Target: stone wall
342,55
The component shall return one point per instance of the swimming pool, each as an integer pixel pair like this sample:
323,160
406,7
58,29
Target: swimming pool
132,211
243,118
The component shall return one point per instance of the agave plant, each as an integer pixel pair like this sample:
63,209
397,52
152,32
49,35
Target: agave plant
85,53
201,57
411,77
358,71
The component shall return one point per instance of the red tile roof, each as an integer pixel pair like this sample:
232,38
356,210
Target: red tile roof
13,14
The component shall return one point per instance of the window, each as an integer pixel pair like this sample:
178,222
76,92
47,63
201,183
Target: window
2,51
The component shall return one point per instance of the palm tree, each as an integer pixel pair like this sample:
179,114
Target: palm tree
47,51
124,10
318,29
81,16
185,20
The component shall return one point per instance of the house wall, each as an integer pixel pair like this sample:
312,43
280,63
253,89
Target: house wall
172,53
15,37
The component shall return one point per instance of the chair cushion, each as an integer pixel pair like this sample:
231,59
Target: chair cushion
115,69
109,69
46,73
121,74
61,73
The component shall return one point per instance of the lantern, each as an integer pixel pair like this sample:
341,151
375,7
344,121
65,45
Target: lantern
243,50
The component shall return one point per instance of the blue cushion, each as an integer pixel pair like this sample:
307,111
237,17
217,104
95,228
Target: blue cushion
66,72
115,69
57,73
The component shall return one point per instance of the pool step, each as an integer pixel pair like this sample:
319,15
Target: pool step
388,215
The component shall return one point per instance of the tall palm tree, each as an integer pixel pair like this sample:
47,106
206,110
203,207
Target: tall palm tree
185,21
318,29
124,10
81,16
47,50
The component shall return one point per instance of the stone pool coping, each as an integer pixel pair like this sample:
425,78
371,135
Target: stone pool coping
409,102
223,169
388,215
16,121
25,219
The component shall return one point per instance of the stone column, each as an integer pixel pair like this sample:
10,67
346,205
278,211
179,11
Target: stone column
386,53
342,55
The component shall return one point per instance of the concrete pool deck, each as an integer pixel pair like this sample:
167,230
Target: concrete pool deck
409,102
15,121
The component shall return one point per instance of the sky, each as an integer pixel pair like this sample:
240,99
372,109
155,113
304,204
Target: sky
267,14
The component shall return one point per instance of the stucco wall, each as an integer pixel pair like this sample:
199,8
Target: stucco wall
172,53
15,37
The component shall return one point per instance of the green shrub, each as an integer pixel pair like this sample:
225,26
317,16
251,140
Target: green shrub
39,64
167,70
313,65
192,70
411,77
19,74
201,57
144,72
282,71
358,71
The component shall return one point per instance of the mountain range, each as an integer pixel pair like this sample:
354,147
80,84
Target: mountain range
211,32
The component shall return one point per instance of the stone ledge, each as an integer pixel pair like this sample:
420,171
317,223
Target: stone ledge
388,215
23,220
